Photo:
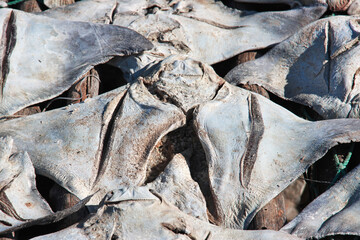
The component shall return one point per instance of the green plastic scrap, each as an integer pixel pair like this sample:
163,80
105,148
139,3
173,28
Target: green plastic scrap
341,166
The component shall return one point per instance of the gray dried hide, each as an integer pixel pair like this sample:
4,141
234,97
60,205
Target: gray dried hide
319,67
58,53
188,27
142,214
101,11
335,212
57,3
354,8
182,81
101,144
19,199
177,186
256,148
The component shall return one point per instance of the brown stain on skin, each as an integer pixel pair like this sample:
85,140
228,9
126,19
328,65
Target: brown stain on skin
29,205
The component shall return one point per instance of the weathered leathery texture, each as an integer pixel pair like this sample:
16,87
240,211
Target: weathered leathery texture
188,27
142,214
139,123
318,66
106,139
19,199
181,80
354,8
335,212
254,149
177,186
100,11
63,143
42,57
57,3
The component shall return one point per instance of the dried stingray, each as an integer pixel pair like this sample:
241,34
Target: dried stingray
318,67
335,212
188,27
58,53
256,148
142,214
176,185
19,199
101,144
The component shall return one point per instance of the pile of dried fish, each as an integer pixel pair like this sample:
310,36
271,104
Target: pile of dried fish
171,150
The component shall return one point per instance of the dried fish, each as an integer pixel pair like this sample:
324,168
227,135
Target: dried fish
138,213
335,212
19,199
58,53
188,27
318,66
63,142
256,148
108,139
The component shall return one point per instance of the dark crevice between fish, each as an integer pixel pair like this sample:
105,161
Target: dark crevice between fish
55,103
271,216
159,158
339,237
8,41
40,3
109,77
298,109
184,140
325,169
177,141
58,201
152,9
260,7
223,67
330,13
328,67
114,237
